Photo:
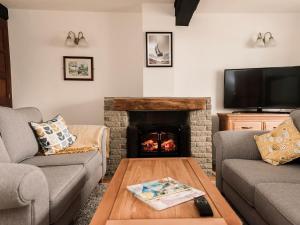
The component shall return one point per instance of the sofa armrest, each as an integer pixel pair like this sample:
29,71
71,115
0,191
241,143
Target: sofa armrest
20,185
234,145
93,135
105,149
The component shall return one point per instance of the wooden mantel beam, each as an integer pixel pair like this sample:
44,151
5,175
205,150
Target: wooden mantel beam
157,104
184,10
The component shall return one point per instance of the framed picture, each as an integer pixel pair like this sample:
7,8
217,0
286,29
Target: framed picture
78,68
159,51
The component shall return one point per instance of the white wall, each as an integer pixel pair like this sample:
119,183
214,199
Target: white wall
212,43
202,51
37,50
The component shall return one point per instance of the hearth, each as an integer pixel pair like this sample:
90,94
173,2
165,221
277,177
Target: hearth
158,134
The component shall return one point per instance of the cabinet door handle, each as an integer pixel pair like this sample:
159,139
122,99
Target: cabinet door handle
247,128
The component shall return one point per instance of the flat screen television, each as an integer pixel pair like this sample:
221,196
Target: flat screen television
269,88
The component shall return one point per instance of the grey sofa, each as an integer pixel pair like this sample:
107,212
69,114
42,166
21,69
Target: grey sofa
261,193
40,190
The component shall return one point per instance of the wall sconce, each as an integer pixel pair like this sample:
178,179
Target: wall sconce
73,40
265,40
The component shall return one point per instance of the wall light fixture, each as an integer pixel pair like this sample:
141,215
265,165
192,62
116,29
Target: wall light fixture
265,40
73,40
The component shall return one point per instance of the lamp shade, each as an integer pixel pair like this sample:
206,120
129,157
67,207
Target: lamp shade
69,42
260,41
271,42
82,42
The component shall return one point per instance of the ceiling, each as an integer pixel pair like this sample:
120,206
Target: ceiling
210,6
249,6
82,5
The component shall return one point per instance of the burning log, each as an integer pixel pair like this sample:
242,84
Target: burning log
150,145
168,145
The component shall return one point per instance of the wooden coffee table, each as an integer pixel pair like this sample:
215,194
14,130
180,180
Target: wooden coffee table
120,207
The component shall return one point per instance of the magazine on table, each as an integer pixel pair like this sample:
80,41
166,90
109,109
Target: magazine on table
164,193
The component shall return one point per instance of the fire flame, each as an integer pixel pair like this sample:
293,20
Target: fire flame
166,146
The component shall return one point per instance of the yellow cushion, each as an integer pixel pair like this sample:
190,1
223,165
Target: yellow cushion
281,145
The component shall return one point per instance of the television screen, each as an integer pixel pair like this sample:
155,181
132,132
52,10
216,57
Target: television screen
262,88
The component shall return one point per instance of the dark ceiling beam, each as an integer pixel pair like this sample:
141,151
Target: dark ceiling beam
3,12
184,10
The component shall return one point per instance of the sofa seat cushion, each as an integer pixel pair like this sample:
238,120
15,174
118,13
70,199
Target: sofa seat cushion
65,184
278,203
90,160
242,175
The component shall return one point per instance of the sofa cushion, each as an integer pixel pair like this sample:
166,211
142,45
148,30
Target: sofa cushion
53,135
16,133
65,184
4,157
90,160
244,209
296,118
281,145
242,175
278,203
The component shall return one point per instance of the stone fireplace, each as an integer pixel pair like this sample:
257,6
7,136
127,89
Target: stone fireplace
159,127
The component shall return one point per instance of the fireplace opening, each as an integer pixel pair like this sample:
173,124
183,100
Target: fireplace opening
159,141
158,134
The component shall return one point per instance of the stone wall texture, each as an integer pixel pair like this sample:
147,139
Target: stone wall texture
201,136
201,140
117,121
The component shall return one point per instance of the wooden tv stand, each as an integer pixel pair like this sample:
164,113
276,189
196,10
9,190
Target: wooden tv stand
250,121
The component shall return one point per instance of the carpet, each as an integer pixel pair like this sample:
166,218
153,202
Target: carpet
86,213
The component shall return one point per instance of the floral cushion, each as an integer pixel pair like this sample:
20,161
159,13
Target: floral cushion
281,145
53,135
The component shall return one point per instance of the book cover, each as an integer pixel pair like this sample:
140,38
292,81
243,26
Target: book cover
164,193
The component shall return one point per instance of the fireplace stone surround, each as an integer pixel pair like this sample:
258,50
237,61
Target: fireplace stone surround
117,118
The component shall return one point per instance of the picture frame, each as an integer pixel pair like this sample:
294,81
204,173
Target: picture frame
80,68
159,49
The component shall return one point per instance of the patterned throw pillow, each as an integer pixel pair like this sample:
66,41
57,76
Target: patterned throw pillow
53,135
281,145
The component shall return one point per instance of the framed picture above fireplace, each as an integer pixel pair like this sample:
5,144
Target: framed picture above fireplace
159,52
